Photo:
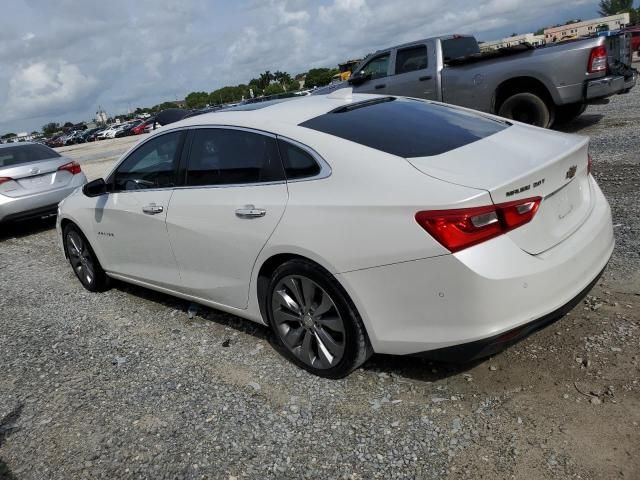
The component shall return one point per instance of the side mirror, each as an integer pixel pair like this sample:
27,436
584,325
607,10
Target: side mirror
95,188
359,78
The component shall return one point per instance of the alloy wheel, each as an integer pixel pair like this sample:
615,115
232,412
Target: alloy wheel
80,257
308,322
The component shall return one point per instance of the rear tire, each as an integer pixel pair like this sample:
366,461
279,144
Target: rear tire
83,260
528,108
314,321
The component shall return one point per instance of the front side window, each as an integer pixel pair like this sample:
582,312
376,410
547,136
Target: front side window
153,165
297,162
378,67
222,156
411,59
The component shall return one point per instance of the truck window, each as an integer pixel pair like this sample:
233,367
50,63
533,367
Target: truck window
458,47
377,67
411,59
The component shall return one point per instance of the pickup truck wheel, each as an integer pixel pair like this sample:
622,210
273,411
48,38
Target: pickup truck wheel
527,108
567,113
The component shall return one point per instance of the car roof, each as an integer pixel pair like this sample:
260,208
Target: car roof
18,144
292,112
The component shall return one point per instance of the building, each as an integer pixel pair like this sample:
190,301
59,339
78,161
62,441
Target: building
535,40
588,27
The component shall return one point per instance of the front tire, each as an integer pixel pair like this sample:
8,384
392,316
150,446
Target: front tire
528,108
83,260
314,321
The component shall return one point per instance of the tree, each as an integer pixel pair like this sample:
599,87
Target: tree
319,77
273,89
67,125
613,7
50,128
265,79
7,135
197,99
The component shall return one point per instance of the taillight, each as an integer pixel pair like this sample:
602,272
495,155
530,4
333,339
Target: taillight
458,229
589,163
71,167
5,179
597,60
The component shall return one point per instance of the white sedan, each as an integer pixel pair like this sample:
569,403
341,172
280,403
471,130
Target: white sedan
352,224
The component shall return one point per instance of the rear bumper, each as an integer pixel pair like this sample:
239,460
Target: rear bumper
610,85
479,293
467,352
37,205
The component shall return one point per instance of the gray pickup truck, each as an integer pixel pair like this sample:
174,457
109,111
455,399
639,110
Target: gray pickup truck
538,86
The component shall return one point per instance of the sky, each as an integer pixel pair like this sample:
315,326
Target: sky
60,60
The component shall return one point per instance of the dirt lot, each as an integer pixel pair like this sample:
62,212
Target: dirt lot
130,384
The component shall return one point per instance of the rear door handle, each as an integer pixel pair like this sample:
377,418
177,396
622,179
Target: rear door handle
152,209
426,77
250,211
378,87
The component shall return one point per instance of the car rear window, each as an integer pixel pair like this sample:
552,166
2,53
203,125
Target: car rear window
459,47
11,156
406,127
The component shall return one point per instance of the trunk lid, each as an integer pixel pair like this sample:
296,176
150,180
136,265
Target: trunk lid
522,162
35,177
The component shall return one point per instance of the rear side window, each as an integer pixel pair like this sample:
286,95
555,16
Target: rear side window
411,59
222,156
297,162
459,47
12,156
406,127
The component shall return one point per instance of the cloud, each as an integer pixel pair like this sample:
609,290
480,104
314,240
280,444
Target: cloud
60,61
51,87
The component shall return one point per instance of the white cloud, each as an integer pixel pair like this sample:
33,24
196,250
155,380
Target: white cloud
43,86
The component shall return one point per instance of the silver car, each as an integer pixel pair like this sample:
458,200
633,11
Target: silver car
33,179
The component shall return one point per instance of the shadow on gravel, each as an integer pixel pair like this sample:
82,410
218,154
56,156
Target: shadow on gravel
26,228
199,313
585,120
416,368
7,427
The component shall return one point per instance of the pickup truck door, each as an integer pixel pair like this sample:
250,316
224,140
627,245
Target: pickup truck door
379,67
414,73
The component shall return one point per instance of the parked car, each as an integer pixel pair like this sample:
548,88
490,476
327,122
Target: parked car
55,141
92,136
125,131
108,132
33,179
352,224
140,128
535,86
89,133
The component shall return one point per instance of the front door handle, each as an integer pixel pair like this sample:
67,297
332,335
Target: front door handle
378,87
152,209
250,211
426,77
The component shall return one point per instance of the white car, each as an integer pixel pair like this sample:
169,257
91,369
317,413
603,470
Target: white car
352,224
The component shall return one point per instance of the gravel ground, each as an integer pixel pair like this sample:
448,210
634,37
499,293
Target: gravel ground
136,384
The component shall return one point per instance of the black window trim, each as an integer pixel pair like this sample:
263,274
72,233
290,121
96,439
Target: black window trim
111,178
409,47
185,150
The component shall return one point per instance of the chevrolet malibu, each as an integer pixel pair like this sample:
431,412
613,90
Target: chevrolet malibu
352,224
